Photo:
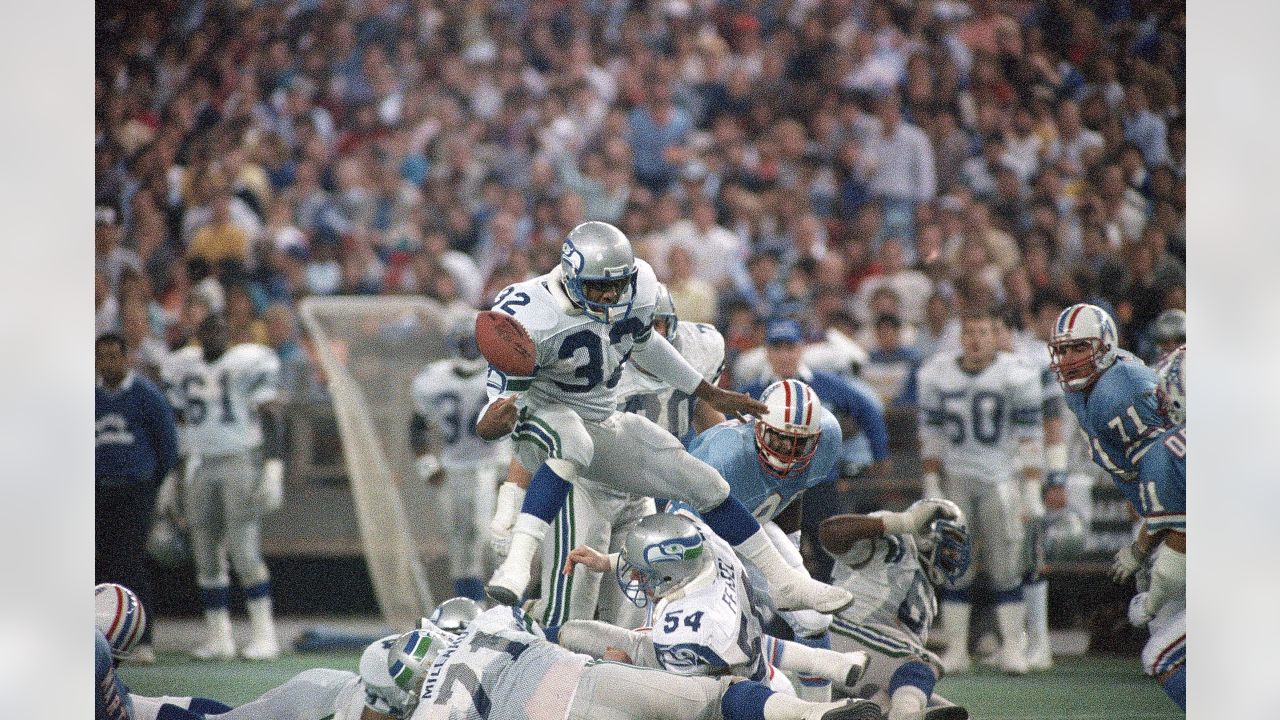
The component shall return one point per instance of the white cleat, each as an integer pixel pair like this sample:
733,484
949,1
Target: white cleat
808,594
858,662
1012,659
1039,657
508,584
261,649
216,649
956,661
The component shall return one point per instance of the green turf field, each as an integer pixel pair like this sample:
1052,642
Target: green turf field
1079,688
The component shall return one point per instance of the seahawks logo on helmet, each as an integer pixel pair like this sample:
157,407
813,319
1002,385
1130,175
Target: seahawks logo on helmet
572,255
685,548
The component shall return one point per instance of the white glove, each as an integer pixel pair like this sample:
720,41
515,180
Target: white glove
917,517
1126,563
427,465
269,494
932,486
1139,614
507,507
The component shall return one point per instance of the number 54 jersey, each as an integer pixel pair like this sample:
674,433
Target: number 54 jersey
219,400
579,360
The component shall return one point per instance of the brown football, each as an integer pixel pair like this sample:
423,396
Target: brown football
505,343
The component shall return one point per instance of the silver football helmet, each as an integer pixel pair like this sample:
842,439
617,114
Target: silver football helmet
1169,331
597,259
660,555
410,656
381,692
945,551
455,614
460,338
666,311
1171,392
1078,325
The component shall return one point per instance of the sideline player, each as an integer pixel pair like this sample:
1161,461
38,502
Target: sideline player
893,562
588,316
503,667
448,396
227,398
980,415
704,619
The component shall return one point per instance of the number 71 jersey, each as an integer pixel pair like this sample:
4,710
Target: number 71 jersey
579,360
219,400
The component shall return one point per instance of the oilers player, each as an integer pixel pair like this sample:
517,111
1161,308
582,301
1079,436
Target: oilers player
600,517
448,396
980,416
502,667
587,317
704,620
769,462
228,399
1161,482
892,562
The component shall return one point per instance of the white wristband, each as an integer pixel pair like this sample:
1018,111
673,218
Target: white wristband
932,485
896,523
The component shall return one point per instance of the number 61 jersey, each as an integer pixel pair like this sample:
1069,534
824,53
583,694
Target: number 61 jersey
579,360
219,400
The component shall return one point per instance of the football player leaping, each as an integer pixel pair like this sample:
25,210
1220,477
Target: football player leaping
448,396
587,317
228,401
600,516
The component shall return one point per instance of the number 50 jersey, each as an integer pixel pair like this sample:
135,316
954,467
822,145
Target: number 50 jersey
579,360
219,400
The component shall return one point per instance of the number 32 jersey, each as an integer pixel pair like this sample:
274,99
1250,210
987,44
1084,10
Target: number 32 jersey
579,360
973,422
219,400
451,401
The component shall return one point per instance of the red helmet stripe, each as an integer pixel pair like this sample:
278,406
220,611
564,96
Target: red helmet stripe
120,611
786,386
808,407
1071,321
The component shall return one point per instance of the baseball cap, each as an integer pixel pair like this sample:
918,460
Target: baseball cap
785,330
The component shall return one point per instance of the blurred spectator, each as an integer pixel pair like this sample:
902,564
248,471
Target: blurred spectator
912,287
243,325
109,258
657,131
900,156
282,336
221,238
893,363
695,299
718,254
146,352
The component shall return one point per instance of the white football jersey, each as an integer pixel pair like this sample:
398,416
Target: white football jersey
219,400
709,627
974,422
1035,352
452,401
579,360
500,668
643,393
888,585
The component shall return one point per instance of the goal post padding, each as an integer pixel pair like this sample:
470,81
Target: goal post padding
370,349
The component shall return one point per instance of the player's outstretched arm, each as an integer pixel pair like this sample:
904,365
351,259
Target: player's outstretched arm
733,404
498,419
837,534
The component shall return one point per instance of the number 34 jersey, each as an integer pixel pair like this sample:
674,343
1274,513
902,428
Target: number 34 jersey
974,421
219,400
451,401
579,360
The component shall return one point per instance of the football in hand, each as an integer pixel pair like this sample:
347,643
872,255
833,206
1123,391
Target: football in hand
505,343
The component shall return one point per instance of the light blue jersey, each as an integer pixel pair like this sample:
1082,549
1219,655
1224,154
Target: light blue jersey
1162,481
1119,415
730,448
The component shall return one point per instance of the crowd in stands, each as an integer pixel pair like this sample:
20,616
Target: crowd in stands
870,166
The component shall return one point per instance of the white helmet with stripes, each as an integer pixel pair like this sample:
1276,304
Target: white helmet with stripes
787,435
120,617
1082,327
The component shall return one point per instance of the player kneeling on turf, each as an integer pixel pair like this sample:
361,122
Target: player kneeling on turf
891,562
